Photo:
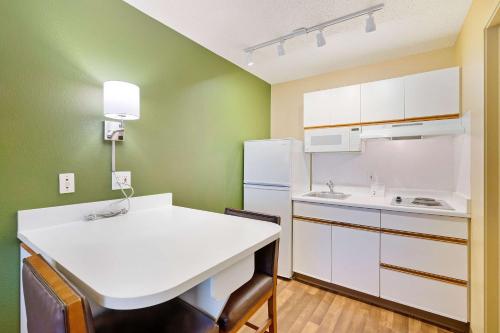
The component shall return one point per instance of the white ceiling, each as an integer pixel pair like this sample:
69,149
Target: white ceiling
226,27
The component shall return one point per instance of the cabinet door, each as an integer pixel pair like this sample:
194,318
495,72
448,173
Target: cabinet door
312,249
382,100
337,106
432,93
317,108
345,105
355,259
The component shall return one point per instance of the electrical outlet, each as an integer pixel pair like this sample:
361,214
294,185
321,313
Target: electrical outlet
66,183
121,180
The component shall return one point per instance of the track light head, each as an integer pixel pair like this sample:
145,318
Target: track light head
250,58
370,23
281,48
320,38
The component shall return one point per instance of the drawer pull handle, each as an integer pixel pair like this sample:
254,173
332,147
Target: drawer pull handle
338,224
425,236
432,276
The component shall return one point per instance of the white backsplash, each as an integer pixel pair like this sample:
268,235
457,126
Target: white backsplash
437,163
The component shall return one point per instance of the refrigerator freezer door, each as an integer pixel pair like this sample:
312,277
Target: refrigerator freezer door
267,162
274,201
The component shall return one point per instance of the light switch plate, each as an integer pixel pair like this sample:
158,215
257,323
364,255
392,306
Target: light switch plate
123,178
66,183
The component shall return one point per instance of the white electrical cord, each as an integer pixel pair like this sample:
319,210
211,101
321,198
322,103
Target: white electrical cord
112,213
122,211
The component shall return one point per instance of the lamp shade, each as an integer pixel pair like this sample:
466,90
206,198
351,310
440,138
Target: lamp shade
121,100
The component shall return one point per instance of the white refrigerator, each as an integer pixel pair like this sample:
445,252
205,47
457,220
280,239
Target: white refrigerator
274,170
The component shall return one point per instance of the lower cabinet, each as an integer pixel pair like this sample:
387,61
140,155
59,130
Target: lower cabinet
418,260
344,256
424,262
442,298
425,255
312,249
356,259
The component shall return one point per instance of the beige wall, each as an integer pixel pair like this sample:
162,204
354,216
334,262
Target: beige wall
491,172
286,98
470,54
286,121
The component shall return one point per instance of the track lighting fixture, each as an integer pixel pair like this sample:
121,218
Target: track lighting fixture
370,23
320,38
249,58
281,48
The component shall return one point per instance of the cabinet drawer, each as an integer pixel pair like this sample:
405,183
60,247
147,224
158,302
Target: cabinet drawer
360,216
312,249
447,226
427,294
436,257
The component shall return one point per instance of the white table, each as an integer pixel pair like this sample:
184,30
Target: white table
155,253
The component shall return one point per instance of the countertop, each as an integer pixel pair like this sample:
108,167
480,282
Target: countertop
146,257
360,197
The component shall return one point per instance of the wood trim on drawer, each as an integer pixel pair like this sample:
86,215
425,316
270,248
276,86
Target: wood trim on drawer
332,126
445,239
28,249
336,223
413,234
393,121
426,275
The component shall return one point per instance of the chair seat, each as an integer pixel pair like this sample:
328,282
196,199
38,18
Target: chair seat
175,316
242,300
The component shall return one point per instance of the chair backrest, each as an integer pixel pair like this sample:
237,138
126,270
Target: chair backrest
52,304
266,259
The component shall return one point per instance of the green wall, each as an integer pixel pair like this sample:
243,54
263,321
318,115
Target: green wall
196,110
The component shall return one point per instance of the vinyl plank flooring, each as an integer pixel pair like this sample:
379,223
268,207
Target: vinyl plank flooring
305,309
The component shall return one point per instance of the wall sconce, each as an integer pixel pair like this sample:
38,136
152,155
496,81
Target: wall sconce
121,102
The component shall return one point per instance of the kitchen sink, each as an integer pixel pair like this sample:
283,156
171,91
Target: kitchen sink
328,195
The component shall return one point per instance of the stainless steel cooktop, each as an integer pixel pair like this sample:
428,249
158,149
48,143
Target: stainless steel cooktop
421,202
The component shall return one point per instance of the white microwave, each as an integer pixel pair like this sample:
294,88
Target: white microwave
334,139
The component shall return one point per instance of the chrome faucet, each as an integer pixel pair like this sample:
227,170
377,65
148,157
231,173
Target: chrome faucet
331,186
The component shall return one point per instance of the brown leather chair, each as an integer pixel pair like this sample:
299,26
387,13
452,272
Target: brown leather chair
54,306
245,301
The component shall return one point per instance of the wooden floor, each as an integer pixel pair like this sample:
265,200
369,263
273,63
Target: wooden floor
303,308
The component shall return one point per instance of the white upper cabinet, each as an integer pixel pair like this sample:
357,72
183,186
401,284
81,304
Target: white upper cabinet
423,95
317,108
433,93
382,100
346,105
337,106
